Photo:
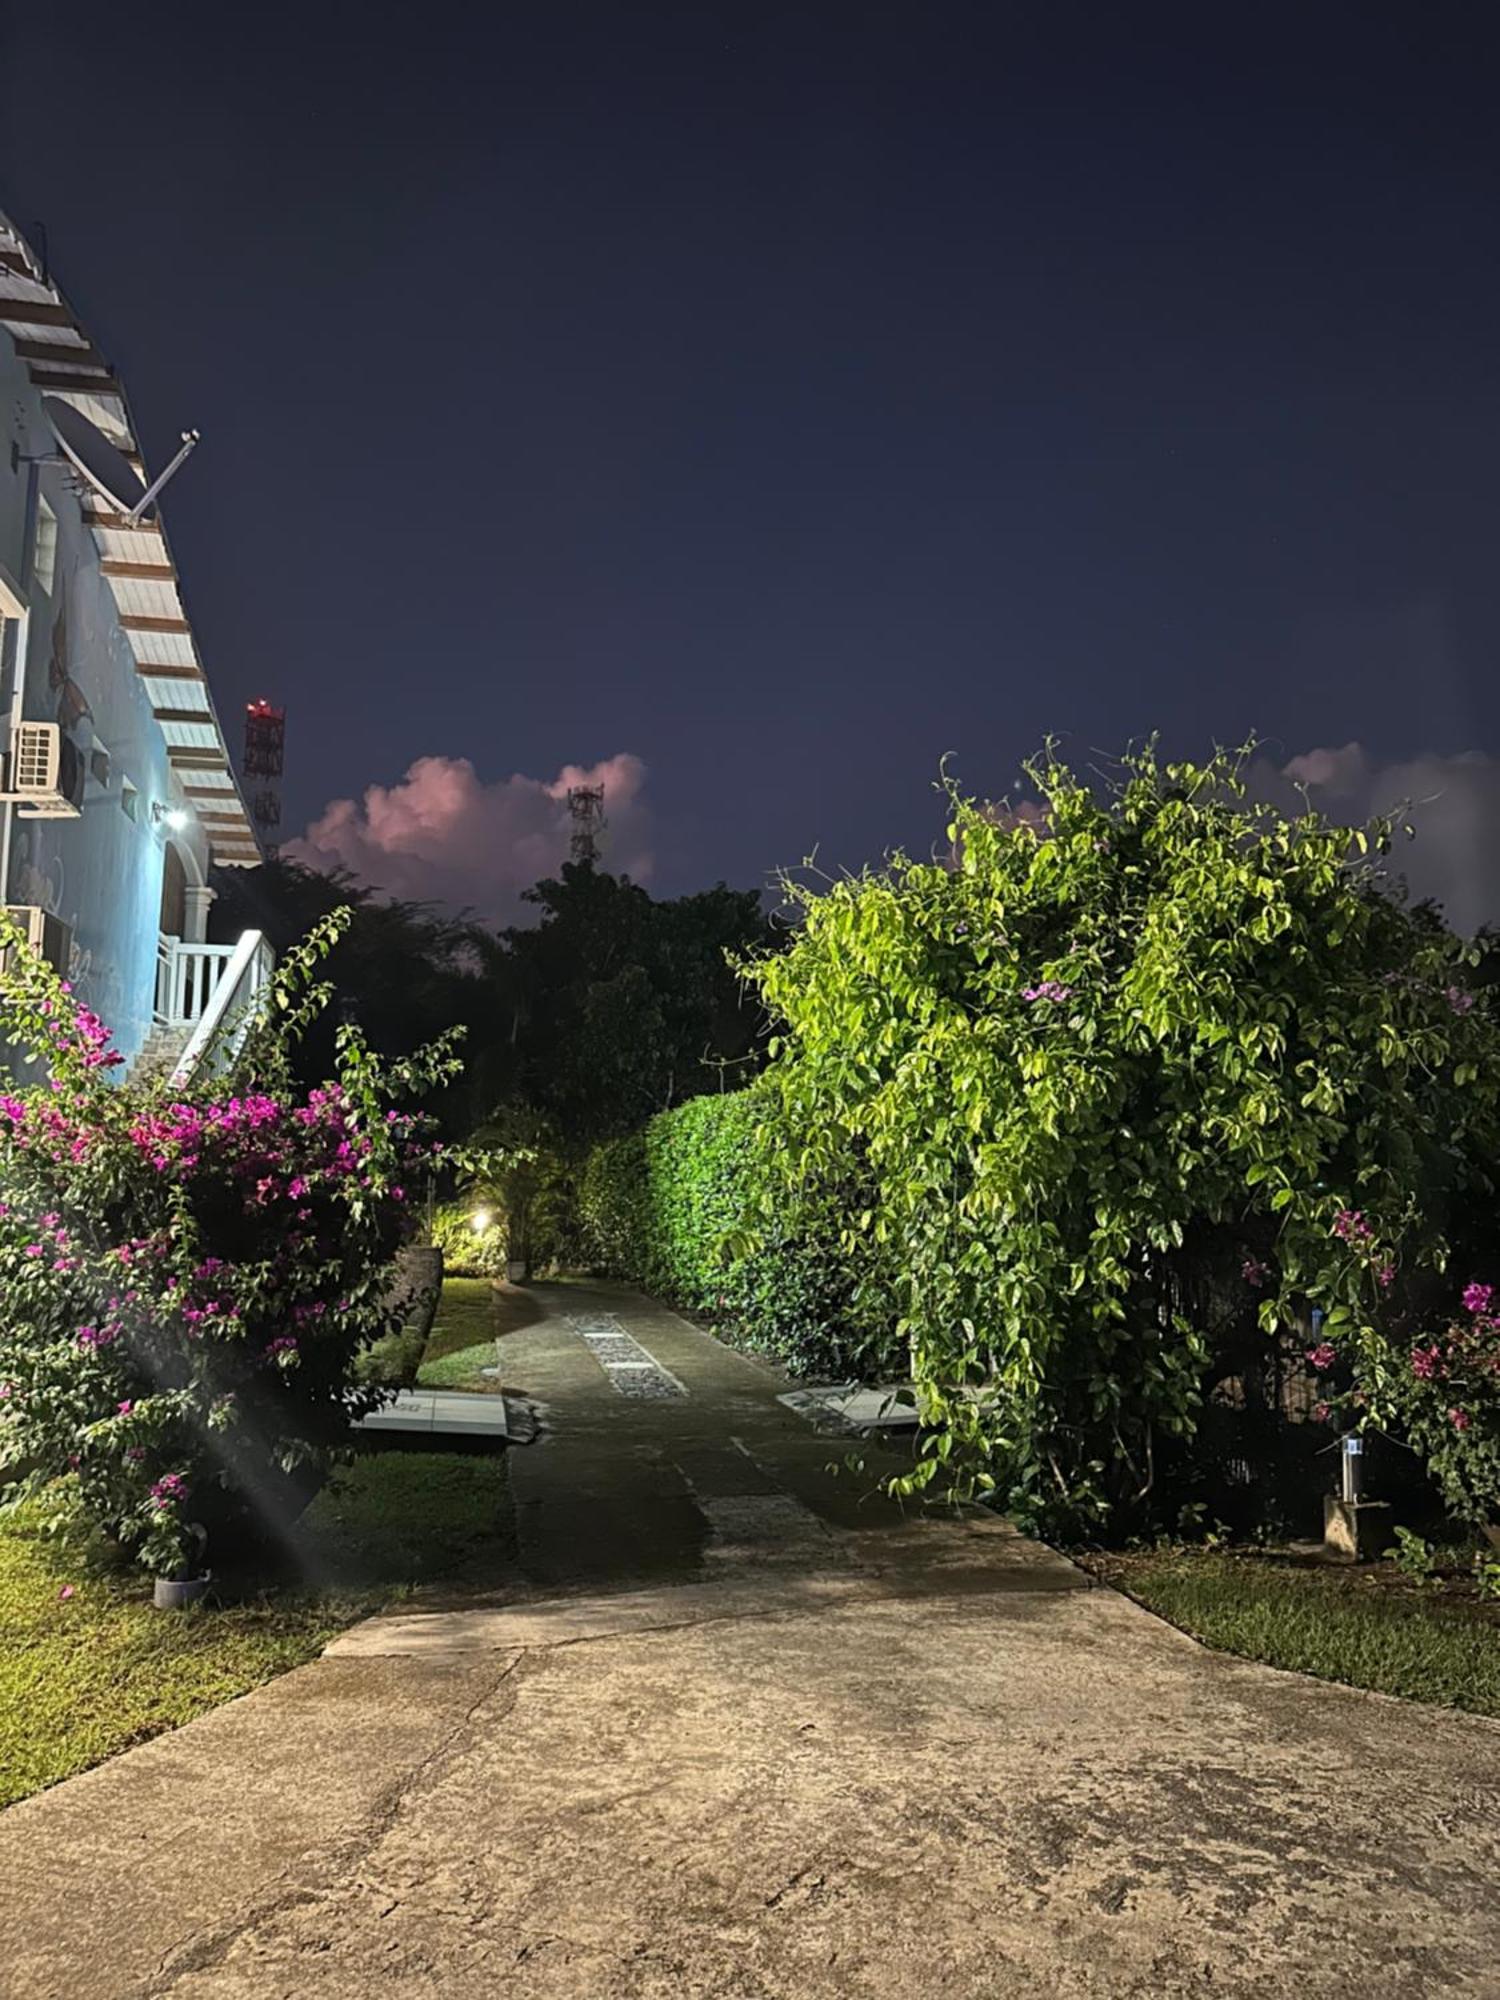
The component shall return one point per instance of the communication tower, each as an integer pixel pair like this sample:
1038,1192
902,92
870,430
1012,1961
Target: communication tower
586,805
265,747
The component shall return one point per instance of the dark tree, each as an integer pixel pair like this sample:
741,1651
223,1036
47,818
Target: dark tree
617,1005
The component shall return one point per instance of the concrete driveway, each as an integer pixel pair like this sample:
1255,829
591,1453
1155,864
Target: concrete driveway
730,1728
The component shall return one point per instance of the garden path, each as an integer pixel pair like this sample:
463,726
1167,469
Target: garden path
729,1727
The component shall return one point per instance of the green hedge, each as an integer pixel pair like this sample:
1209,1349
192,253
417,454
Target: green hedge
684,1208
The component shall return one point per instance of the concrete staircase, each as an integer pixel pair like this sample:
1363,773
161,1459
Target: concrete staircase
162,1050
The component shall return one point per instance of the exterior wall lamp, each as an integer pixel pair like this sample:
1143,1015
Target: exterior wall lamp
170,816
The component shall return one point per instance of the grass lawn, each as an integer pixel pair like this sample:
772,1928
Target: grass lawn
463,1337
1365,1625
471,1317
87,1667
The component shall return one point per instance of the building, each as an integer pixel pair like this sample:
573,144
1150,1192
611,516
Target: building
118,798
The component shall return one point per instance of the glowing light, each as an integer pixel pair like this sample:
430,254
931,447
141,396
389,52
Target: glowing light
480,1221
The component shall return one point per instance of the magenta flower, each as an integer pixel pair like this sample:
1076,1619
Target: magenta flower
1478,1298
124,1409
1459,1419
65,1593
1424,1362
1322,1412
1322,1356
168,1490
1254,1273
1459,1000
1350,1224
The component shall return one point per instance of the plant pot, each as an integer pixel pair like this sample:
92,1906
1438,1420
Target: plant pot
173,1593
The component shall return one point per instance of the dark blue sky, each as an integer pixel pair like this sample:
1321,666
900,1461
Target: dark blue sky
789,396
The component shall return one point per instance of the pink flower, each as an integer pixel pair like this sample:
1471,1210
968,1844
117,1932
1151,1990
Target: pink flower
1048,989
168,1489
124,1409
1459,1419
1385,1276
65,1593
1350,1224
1254,1273
1478,1298
1322,1412
1424,1362
1322,1356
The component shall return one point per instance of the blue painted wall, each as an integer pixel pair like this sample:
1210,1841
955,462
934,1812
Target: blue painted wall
102,873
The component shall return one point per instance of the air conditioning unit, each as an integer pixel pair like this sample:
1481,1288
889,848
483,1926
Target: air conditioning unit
44,772
45,933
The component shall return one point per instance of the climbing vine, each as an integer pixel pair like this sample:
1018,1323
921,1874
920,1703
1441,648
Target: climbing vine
1144,1059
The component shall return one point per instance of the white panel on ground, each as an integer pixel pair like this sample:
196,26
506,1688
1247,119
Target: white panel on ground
437,1411
891,1407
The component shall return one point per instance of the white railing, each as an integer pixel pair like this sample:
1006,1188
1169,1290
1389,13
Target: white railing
215,989
186,976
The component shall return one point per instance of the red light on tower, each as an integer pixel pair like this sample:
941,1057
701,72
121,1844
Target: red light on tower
265,748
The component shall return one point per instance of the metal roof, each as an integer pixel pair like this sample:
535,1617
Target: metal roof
136,561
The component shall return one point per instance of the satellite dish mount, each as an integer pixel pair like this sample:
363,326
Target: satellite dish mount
102,465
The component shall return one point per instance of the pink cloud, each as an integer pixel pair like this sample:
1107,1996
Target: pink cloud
1452,804
444,835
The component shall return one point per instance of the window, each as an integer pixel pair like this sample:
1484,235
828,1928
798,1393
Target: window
44,561
129,800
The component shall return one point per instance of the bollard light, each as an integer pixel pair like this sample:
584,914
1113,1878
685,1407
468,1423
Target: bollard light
1352,1460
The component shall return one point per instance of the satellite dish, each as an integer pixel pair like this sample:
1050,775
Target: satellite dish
102,464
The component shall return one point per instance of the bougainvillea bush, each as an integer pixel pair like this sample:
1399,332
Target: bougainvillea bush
1145,1073
187,1274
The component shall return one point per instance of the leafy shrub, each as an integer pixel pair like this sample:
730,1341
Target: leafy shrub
612,1207
687,1208
469,1252
516,1164
1148,1073
188,1276
1414,1556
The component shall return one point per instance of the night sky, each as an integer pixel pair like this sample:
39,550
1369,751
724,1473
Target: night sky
784,397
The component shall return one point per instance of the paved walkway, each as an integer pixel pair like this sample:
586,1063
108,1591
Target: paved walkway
731,1730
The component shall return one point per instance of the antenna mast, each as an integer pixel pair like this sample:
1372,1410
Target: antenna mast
586,808
265,746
